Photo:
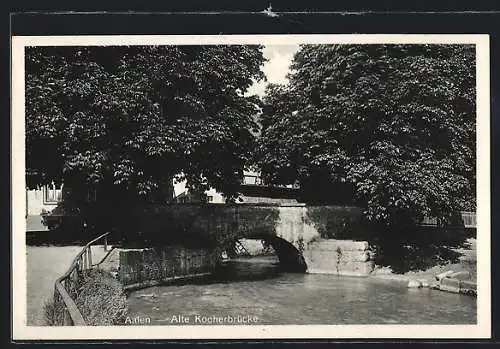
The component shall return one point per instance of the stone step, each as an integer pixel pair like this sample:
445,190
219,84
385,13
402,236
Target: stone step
333,244
349,256
335,267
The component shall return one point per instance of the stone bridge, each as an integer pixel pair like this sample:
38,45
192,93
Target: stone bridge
305,238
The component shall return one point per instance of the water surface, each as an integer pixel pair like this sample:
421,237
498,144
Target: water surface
269,297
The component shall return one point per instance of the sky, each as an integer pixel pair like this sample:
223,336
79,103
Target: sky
279,59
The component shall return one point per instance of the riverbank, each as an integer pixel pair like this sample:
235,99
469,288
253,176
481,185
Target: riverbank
465,268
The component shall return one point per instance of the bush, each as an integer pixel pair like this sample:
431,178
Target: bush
101,299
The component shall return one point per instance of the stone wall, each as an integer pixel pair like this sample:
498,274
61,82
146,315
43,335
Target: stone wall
338,222
150,266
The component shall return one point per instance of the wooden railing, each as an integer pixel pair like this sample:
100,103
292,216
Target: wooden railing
468,219
65,285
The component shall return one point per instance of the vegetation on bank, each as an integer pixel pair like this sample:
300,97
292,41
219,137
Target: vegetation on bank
100,298
465,261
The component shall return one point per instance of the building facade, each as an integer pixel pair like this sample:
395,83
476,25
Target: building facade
42,199
252,190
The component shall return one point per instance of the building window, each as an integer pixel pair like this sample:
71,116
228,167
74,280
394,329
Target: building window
210,199
51,194
254,180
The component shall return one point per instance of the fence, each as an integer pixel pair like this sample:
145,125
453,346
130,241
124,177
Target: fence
468,219
65,285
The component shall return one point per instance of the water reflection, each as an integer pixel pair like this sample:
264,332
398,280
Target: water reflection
247,268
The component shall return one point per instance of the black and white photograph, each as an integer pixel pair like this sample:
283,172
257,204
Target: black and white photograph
251,186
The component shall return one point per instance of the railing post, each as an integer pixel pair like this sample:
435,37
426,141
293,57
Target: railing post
67,318
90,256
65,286
105,243
84,261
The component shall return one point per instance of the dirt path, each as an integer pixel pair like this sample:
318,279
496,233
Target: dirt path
44,265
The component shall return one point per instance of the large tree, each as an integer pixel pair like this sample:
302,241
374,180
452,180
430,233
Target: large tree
134,117
391,126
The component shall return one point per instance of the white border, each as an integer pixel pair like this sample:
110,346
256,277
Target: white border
23,332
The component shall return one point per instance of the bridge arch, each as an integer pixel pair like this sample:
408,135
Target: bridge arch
290,258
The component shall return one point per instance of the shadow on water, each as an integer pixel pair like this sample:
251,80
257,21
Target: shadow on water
231,271
247,269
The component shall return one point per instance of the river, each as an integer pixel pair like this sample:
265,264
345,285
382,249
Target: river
255,292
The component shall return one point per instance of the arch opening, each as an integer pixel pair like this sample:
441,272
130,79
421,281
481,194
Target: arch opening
290,258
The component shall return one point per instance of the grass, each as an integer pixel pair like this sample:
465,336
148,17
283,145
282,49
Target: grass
101,299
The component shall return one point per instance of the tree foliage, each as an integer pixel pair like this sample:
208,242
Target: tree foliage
391,125
136,116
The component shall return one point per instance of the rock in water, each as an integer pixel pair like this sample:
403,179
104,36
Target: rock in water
460,275
414,284
443,275
150,295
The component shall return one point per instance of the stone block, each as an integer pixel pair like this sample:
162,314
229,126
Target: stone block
461,275
426,284
443,275
339,256
321,260
383,271
350,255
343,245
468,285
414,284
355,266
450,285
